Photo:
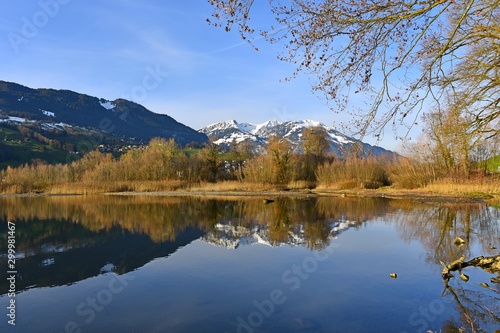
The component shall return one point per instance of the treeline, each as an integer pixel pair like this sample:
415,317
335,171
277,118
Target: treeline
162,165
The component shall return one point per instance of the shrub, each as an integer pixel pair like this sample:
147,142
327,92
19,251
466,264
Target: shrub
353,172
409,174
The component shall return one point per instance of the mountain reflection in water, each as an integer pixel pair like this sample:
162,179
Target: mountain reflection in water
64,240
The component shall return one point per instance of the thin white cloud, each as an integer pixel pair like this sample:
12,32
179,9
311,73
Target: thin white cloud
230,47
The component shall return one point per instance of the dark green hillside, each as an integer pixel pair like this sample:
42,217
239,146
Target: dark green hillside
27,143
16,149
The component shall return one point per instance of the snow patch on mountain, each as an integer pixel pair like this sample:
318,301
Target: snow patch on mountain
108,105
247,128
10,119
54,126
236,137
339,138
48,113
268,124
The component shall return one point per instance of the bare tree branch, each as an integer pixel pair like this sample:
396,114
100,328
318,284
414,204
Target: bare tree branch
400,55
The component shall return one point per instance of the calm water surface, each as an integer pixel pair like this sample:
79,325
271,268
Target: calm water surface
163,264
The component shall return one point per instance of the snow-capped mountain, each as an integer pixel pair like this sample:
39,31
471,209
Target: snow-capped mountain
224,133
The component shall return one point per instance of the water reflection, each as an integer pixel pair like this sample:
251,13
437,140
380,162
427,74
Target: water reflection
63,240
475,307
437,226
161,219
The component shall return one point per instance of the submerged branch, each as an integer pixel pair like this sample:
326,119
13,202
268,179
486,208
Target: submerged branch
489,264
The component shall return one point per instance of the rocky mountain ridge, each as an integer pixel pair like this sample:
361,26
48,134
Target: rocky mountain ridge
226,132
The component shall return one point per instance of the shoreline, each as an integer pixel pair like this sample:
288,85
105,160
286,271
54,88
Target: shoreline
417,195
422,197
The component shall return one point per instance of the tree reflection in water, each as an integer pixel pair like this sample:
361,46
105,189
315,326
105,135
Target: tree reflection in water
72,222
436,227
476,307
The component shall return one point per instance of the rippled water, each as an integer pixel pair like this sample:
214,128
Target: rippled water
168,264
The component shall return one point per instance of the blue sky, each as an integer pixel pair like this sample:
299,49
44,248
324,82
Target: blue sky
161,54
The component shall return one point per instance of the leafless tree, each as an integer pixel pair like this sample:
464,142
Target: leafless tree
398,54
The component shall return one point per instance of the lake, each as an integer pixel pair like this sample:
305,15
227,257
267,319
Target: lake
233,264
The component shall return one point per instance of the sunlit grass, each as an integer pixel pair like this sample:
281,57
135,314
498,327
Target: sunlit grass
232,186
301,185
129,186
474,187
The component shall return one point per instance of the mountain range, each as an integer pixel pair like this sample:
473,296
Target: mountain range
52,125
224,133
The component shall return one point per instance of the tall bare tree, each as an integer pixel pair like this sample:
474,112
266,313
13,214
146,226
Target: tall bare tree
211,160
452,139
279,150
399,54
315,141
315,144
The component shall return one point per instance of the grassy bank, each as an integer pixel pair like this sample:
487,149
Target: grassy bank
444,192
162,167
